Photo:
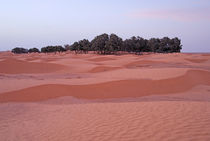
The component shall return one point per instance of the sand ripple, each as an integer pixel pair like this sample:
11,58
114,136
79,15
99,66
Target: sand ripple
134,121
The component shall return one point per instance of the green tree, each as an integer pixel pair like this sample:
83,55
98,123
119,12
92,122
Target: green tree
84,46
50,49
99,43
114,44
176,45
19,50
154,44
33,50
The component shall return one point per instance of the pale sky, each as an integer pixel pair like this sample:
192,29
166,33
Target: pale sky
38,23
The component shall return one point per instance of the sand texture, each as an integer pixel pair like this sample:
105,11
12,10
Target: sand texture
89,97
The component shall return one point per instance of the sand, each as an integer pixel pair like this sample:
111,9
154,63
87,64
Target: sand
13,66
94,97
103,69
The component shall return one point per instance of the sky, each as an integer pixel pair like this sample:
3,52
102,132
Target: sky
39,23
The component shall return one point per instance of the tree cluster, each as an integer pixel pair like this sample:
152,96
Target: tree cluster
33,50
50,49
19,50
105,44
112,44
82,46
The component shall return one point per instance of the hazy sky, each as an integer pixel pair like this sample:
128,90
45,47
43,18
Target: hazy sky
38,23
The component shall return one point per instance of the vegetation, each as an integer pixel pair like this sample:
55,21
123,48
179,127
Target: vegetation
83,46
19,50
136,45
49,49
33,50
105,44
112,44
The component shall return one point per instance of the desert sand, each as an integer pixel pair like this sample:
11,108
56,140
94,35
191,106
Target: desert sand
89,97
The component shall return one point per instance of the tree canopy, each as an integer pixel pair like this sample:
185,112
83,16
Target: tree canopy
33,50
19,50
82,46
49,49
112,44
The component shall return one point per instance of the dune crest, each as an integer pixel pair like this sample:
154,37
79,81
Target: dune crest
116,89
143,63
103,69
101,59
196,60
14,66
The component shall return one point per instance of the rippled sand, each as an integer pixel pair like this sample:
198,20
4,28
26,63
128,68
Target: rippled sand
106,121
91,97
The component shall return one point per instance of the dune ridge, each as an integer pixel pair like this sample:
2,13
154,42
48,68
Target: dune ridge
196,60
14,66
143,63
101,59
103,69
115,89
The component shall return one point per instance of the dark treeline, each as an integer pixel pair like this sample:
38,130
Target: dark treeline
112,44
52,49
19,50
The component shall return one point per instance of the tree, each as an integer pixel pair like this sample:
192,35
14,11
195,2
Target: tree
33,50
140,45
154,44
136,44
99,43
129,45
165,46
67,47
50,49
75,47
84,46
176,45
114,44
19,50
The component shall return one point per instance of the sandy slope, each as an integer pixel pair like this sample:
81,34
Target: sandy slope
115,89
93,97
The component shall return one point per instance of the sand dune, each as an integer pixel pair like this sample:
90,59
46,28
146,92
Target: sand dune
84,97
103,69
196,60
101,59
116,89
207,54
13,66
143,63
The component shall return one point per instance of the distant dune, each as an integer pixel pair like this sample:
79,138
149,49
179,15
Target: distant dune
124,97
13,66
